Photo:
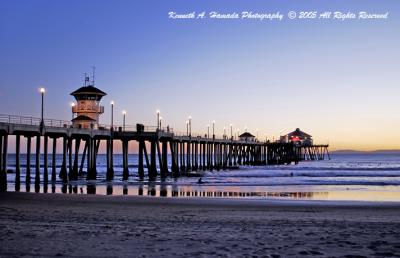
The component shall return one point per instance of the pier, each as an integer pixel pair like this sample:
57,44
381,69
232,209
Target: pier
187,153
161,151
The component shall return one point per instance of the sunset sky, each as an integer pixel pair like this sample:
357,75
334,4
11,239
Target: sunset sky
337,80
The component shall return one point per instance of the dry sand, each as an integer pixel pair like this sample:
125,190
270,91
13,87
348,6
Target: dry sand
46,225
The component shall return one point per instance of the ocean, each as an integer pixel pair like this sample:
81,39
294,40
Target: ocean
352,177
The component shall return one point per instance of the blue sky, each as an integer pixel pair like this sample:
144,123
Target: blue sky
339,81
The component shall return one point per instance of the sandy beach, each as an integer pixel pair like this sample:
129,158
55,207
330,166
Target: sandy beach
46,225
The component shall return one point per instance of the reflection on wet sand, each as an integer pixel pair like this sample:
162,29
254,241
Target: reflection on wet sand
167,190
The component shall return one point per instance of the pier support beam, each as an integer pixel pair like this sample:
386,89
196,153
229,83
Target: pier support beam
53,160
63,171
37,163
74,172
165,158
17,162
93,147
160,161
85,149
125,172
140,160
146,158
28,160
174,158
3,162
45,160
188,157
70,168
204,156
110,159
153,162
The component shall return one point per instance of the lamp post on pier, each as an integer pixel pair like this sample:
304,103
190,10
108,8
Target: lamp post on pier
158,118
231,130
187,128
190,125
208,130
123,123
213,122
112,115
224,132
42,91
160,123
72,107
257,134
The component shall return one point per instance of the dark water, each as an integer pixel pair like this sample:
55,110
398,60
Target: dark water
373,177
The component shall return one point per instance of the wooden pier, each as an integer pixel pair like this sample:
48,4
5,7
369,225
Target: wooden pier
187,153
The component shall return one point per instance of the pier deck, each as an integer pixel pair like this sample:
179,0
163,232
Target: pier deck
187,152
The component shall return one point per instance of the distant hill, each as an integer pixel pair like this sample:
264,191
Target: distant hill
366,152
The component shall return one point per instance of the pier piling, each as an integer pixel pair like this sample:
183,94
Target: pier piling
28,160
37,163
45,160
53,160
17,162
188,154
63,171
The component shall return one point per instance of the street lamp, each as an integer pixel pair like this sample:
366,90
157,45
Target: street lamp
231,129
208,130
158,119
257,133
124,114
72,106
42,91
213,128
190,125
224,132
160,122
187,127
112,115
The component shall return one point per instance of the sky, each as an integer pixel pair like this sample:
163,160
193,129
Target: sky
336,80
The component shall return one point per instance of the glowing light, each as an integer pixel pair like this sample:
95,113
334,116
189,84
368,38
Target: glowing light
72,104
124,112
112,102
42,90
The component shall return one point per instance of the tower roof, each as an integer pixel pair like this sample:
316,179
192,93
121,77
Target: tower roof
83,118
246,134
88,90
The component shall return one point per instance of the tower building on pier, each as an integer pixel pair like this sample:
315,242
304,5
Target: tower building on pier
87,109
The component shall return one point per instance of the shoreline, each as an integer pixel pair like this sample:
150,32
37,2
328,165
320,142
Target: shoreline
312,193
197,201
130,226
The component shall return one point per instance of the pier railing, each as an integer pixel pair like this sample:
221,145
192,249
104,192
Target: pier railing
201,135
35,121
26,120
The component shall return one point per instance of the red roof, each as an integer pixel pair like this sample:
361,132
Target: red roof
298,133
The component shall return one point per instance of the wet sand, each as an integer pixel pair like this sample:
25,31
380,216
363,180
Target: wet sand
128,226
